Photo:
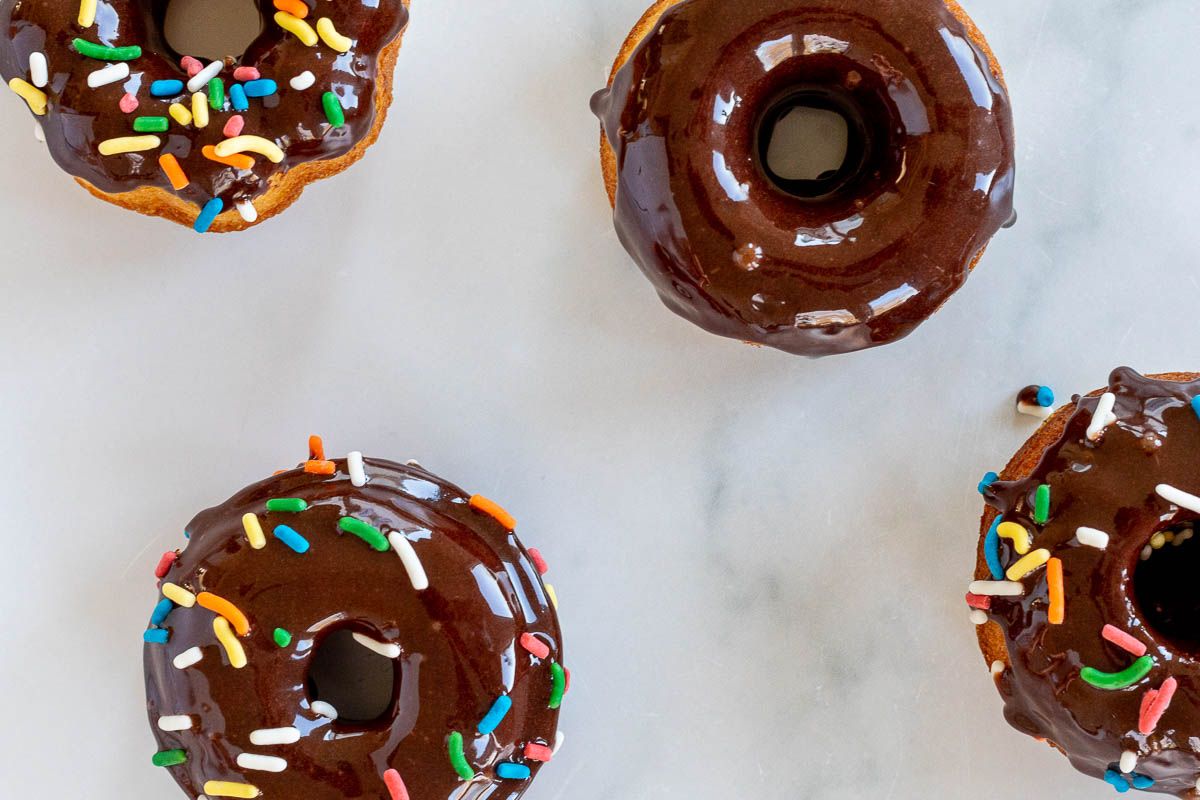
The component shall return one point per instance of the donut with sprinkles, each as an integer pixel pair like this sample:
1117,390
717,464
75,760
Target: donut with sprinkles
1084,593
429,592
217,145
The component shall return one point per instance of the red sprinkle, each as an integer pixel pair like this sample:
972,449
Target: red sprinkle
233,127
395,785
567,674
1123,640
246,74
535,556
128,103
1154,704
164,564
192,65
979,601
538,752
534,645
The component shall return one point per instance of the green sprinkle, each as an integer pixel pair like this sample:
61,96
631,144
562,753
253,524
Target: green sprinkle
458,759
150,124
290,504
368,533
558,685
1113,681
216,94
102,53
1041,504
333,109
282,637
169,758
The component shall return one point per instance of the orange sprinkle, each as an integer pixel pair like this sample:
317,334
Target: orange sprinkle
316,448
237,160
1054,579
280,471
294,7
316,467
493,510
221,606
170,165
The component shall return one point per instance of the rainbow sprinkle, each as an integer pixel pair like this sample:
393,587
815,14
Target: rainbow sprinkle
169,758
292,539
1114,681
496,715
458,758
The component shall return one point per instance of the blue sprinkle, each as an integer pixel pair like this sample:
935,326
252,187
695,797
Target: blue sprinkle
1142,781
292,539
507,770
156,636
496,715
1045,396
1196,405
208,214
166,88
263,87
1116,780
991,549
161,611
987,481
237,96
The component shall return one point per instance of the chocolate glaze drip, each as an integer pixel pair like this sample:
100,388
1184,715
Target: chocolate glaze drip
80,117
459,640
869,252
1108,485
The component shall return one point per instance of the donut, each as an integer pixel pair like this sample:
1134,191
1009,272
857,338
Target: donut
220,145
1084,592
819,262
251,691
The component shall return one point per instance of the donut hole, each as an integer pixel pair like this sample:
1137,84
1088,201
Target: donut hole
212,29
358,682
1164,586
805,144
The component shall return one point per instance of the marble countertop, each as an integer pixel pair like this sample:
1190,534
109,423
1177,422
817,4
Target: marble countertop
761,559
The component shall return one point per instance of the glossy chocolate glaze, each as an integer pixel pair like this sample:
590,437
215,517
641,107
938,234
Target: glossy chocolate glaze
80,117
883,243
459,640
1108,485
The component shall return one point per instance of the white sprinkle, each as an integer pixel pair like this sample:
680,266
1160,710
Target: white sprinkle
39,71
323,709
382,648
1092,537
412,462
261,763
354,464
997,668
200,79
303,81
188,658
38,133
1198,784
268,737
1147,551
408,556
247,210
1034,410
1128,761
559,738
1178,498
1102,417
997,588
109,74
180,722
978,616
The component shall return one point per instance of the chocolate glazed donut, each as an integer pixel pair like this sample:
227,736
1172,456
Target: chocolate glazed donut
1085,591
143,126
428,580
854,258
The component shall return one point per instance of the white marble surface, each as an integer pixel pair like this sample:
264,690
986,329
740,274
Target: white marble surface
761,558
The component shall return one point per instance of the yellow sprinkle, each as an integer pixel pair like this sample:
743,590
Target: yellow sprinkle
1169,536
233,649
200,109
1018,535
253,144
180,114
254,531
1027,564
178,595
553,595
87,13
1158,540
296,26
128,144
228,789
32,95
331,37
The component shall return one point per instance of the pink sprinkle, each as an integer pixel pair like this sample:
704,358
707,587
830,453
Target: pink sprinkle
246,74
1155,704
395,785
567,675
535,556
1123,640
128,103
982,602
164,564
538,752
192,65
534,645
234,126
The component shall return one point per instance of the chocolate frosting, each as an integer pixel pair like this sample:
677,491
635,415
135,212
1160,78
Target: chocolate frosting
1108,485
459,640
80,117
871,251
